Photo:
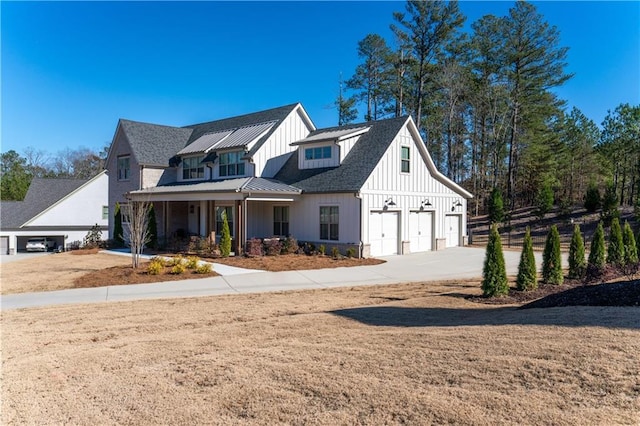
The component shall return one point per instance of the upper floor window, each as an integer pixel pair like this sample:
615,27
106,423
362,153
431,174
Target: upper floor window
329,223
124,168
231,164
317,153
405,161
192,168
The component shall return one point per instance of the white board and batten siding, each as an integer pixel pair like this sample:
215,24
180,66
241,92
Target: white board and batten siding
305,218
270,158
420,226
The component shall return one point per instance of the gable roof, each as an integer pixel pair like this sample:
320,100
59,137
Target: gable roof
156,145
42,195
356,167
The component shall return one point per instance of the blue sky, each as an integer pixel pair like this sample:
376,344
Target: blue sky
70,70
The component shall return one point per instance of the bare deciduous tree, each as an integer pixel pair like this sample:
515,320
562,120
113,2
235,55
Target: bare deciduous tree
136,228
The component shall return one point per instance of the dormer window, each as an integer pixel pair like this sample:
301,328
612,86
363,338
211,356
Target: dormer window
231,163
192,168
317,153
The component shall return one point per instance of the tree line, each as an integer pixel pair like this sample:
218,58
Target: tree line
485,105
17,171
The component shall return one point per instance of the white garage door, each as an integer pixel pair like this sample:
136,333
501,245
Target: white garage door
452,230
383,233
4,245
420,234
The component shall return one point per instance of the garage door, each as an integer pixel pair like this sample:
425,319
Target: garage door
4,245
420,234
452,230
383,233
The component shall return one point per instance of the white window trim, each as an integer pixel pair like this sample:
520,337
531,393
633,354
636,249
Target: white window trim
201,157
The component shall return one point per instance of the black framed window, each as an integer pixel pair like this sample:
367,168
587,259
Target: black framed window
192,168
329,223
231,163
281,220
317,153
124,167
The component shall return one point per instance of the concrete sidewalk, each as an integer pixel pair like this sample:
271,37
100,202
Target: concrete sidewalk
450,264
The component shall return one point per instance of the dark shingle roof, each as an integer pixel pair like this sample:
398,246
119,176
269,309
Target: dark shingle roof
42,194
153,144
275,114
355,169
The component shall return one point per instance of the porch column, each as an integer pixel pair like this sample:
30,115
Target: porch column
239,227
203,219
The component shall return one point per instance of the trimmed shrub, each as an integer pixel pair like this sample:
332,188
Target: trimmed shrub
225,237
204,268
155,267
597,257
527,273
592,199
335,253
272,246
192,262
118,230
176,260
322,249
351,252
496,206
577,260
290,245
494,272
551,259
615,253
630,246
254,248
178,269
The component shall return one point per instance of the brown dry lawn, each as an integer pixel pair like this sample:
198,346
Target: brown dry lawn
402,354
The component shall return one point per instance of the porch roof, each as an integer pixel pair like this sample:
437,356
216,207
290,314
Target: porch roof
245,185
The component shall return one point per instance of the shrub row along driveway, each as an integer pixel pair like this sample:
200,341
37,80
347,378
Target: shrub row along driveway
450,264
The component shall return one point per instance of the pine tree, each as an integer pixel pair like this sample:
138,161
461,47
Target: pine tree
630,246
118,230
544,200
527,273
577,261
597,253
610,204
152,228
494,272
551,259
225,237
615,253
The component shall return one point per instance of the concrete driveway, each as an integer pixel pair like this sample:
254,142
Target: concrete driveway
450,264
6,258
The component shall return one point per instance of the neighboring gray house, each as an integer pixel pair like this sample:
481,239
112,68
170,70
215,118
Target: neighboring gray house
62,209
371,186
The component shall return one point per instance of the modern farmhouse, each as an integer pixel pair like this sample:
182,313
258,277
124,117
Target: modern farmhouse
369,186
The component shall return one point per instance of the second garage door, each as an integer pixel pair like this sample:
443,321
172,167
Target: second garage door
383,233
420,231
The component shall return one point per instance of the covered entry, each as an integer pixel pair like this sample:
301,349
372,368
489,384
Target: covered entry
383,233
452,230
420,231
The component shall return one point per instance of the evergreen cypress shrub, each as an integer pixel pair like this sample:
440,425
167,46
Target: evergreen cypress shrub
496,206
551,259
597,257
592,199
527,273
615,253
544,200
630,245
577,260
494,272
225,237
118,231
610,204
152,228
